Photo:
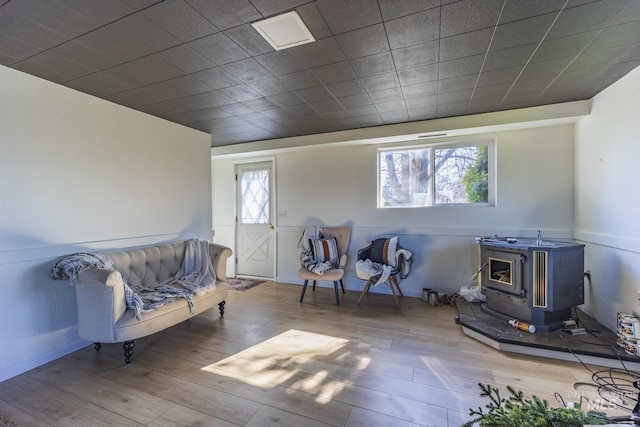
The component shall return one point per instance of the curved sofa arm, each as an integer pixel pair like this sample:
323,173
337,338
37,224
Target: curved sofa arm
219,255
100,299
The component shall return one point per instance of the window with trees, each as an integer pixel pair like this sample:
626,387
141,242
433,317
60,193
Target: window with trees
443,174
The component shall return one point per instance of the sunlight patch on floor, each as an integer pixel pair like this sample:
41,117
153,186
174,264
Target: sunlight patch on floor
296,359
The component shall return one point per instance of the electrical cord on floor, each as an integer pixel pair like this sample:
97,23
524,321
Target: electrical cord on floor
614,385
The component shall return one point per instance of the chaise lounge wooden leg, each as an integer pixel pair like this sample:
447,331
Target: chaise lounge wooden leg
128,351
342,285
221,308
335,285
304,288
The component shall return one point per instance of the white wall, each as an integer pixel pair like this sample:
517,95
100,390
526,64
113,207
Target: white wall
607,204
335,184
78,173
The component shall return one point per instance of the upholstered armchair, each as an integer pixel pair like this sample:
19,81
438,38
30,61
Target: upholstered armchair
383,261
324,256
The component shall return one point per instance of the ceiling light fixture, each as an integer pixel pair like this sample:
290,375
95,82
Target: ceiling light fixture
284,31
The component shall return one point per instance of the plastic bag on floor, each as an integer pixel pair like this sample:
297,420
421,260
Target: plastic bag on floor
472,293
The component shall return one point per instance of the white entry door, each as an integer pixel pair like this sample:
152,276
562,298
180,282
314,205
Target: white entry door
255,239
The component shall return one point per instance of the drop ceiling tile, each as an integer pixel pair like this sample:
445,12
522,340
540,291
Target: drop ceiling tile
99,12
355,100
240,93
362,110
337,72
621,35
276,115
364,41
180,20
249,39
630,12
176,106
394,116
105,83
413,29
516,11
129,38
286,99
422,113
336,115
425,73
563,47
343,16
214,98
346,88
247,70
490,78
469,15
258,119
147,70
236,12
507,58
64,63
185,58
460,67
318,93
453,97
319,53
326,105
219,48
425,101
139,4
261,104
420,90
453,109
385,107
586,17
314,20
191,117
300,110
281,62
234,109
13,50
414,56
373,64
490,92
521,33
546,68
35,37
386,95
179,87
270,7
591,59
299,80
380,82
135,98
55,17
268,86
467,44
392,9
216,78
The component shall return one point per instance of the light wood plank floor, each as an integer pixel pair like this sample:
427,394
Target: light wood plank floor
272,361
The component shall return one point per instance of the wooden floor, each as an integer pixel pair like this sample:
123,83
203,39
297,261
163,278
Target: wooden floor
272,361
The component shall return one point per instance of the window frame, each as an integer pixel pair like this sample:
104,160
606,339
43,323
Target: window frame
432,146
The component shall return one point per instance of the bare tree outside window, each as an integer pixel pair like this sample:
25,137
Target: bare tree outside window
428,176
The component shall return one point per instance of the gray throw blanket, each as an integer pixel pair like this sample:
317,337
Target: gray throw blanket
196,275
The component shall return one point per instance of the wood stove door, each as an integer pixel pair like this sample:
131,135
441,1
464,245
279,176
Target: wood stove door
504,270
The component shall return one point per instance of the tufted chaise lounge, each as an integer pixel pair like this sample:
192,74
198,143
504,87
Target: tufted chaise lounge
103,316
